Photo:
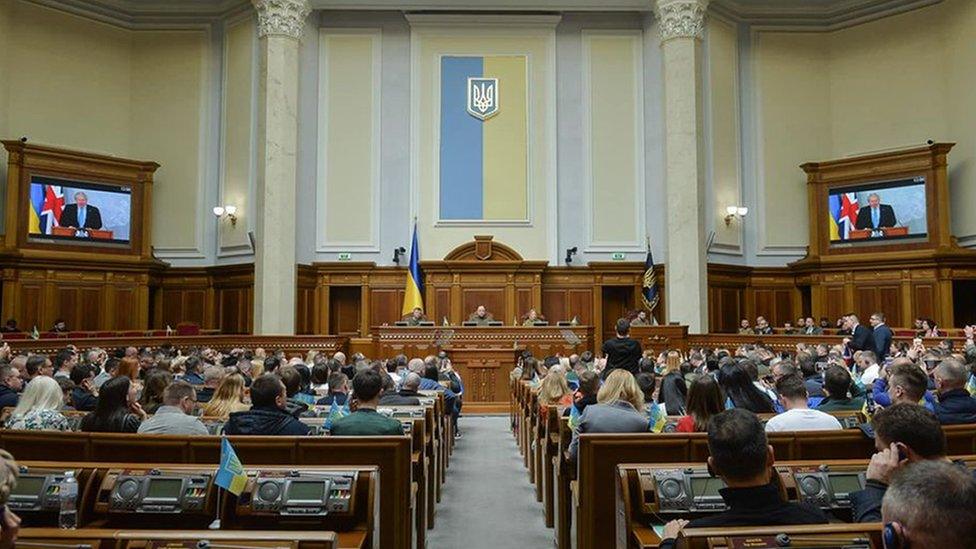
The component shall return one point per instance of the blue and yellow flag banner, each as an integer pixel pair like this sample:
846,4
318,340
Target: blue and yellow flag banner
230,474
484,138
336,412
413,297
657,419
574,416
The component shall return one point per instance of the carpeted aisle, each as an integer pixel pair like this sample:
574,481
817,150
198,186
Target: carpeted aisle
488,501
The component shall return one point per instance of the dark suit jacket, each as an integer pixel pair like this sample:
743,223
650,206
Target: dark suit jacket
882,341
887,218
69,217
861,339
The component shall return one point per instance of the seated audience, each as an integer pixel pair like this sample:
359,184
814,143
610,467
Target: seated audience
338,390
227,398
268,414
10,386
838,388
152,393
191,368
868,367
619,409
83,396
175,417
744,328
788,329
812,377
589,385
367,387
408,394
762,326
117,411
903,433
108,371
705,399
293,384
554,391
129,367
212,375
741,392
798,416
903,381
810,328
741,456
674,389
64,361
955,404
930,504
39,407
647,382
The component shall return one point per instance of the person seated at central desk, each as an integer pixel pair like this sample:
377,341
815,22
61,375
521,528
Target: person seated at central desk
741,456
415,317
481,317
532,318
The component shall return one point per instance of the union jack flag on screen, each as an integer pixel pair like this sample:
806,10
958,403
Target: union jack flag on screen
843,215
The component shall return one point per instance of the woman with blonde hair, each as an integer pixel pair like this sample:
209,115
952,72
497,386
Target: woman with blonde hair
39,407
619,409
227,399
554,390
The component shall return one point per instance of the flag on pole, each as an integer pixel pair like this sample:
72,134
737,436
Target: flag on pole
34,333
649,294
230,474
414,295
336,412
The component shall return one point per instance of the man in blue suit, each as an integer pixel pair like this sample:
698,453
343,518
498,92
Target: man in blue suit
882,336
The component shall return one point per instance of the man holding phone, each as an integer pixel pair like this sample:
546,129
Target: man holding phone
904,433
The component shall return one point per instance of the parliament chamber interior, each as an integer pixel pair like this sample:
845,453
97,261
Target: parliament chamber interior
408,274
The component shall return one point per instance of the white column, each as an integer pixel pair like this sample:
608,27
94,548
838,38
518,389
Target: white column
280,24
681,23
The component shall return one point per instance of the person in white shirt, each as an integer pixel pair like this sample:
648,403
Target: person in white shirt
798,416
869,367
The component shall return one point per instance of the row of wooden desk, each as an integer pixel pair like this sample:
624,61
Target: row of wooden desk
409,470
579,499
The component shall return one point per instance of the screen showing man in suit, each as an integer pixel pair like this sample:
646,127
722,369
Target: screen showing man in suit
878,211
61,210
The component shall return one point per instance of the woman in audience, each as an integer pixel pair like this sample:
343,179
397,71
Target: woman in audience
118,410
227,399
554,390
128,367
655,412
705,399
673,387
741,392
929,329
619,409
152,394
38,409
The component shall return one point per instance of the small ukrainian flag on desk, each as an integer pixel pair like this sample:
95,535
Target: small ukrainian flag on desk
230,474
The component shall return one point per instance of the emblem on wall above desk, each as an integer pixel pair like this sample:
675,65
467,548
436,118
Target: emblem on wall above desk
483,97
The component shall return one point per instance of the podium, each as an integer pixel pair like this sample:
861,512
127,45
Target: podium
888,232
94,234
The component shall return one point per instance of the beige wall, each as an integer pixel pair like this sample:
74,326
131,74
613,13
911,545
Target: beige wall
237,127
890,83
723,131
76,83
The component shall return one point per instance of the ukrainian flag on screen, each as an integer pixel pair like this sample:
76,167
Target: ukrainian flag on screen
483,163
35,208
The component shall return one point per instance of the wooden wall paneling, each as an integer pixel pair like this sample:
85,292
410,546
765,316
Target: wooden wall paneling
524,301
442,304
345,309
386,305
29,312
555,303
124,310
578,303
834,305
889,302
923,300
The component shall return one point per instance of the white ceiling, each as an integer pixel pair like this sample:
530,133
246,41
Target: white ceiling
802,14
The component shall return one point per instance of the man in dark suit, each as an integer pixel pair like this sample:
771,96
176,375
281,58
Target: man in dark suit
80,215
875,215
409,395
882,336
860,339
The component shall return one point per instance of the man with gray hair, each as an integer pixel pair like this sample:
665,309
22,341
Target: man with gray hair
81,215
408,394
930,504
174,416
955,405
875,215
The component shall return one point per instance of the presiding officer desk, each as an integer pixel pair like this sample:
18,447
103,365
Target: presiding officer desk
482,356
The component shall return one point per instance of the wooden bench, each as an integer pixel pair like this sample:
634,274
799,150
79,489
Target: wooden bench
600,454
391,454
96,538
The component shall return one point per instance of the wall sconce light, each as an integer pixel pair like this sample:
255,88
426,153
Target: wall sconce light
397,252
733,212
570,252
228,211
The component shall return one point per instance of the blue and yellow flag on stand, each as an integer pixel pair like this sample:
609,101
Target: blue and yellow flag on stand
657,419
336,412
574,416
414,295
230,474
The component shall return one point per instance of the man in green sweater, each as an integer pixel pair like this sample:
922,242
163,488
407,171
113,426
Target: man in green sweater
367,387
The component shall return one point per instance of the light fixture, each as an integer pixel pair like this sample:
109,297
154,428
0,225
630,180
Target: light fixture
732,212
570,252
397,252
229,211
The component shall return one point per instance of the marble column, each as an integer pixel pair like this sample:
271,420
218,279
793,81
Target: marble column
681,23
280,24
